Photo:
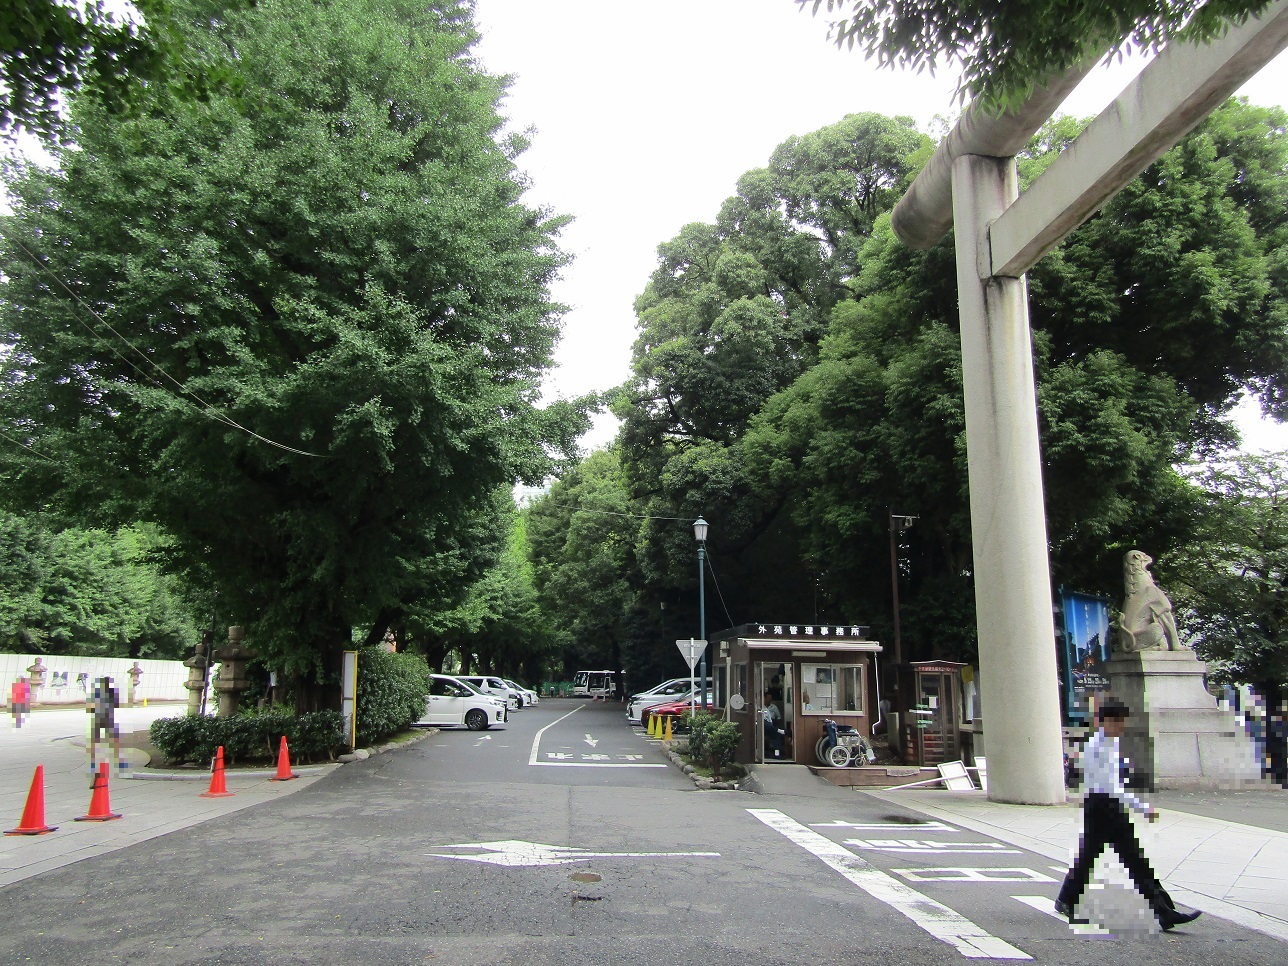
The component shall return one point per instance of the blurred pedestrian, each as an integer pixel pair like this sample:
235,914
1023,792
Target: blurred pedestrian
1106,822
102,723
20,699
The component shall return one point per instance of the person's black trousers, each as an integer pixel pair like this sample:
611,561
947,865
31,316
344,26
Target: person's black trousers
1105,822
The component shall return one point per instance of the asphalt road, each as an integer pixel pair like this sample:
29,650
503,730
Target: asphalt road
457,850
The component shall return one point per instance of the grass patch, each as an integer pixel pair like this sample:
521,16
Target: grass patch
402,737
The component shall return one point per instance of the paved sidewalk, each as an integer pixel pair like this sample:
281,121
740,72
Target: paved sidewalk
56,739
1226,868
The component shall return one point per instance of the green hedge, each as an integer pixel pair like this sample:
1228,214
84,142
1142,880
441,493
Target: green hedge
251,736
391,692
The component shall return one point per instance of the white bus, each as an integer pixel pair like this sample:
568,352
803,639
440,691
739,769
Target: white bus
593,684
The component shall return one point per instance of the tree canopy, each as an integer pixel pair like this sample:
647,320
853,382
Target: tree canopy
1007,49
52,49
1231,581
88,593
302,328
797,378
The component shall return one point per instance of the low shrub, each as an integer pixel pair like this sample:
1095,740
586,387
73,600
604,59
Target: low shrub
391,692
721,744
251,736
191,738
698,723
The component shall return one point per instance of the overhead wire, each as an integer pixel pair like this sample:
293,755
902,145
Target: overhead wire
31,449
203,407
714,580
614,513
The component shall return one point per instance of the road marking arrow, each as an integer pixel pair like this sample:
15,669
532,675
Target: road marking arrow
516,853
591,741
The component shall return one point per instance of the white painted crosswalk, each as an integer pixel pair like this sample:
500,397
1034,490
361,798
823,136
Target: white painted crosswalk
925,846
945,924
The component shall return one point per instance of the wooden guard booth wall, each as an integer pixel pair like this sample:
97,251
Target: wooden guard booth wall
812,672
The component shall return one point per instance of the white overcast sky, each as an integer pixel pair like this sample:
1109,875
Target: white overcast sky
647,113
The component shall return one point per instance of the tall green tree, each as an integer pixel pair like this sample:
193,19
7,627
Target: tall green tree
88,593
302,329
581,537
734,314
1230,584
498,626
1149,322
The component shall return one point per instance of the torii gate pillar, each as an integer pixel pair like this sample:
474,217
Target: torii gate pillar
1018,673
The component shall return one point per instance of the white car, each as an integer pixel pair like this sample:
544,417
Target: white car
493,685
453,702
673,690
527,694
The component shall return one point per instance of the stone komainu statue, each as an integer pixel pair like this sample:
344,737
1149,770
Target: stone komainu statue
1146,622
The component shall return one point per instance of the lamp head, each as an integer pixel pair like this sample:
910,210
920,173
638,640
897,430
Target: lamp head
700,530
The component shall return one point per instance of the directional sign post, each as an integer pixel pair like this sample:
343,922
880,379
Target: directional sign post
692,651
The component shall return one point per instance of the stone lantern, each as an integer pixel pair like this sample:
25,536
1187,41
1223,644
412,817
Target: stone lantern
197,665
232,681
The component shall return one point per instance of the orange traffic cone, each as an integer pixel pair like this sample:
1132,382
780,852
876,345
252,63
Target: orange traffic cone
217,787
284,773
100,810
33,815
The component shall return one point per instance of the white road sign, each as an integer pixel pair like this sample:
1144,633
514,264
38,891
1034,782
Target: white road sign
692,651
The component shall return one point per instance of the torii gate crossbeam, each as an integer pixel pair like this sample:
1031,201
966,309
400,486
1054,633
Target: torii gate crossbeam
971,183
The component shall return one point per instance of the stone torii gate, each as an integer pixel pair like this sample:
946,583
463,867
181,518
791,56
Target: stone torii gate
971,183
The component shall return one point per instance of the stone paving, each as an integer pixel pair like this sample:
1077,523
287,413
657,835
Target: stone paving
1222,866
56,739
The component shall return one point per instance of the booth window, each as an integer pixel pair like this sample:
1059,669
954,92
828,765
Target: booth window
832,689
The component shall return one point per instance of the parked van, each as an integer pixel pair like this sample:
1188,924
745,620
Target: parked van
451,701
490,684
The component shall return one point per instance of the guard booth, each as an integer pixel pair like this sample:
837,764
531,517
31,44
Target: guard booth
930,712
806,672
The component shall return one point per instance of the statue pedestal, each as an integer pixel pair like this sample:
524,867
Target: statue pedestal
1177,737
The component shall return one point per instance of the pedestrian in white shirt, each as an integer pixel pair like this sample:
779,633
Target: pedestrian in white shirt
1106,822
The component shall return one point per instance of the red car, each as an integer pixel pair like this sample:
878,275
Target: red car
676,709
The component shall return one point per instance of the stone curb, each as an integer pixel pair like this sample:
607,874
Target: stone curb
203,774
362,754
701,783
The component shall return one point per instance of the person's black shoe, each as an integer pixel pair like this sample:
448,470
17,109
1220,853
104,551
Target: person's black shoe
1171,918
1064,909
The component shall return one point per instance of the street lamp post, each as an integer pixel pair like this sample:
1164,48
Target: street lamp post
700,534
